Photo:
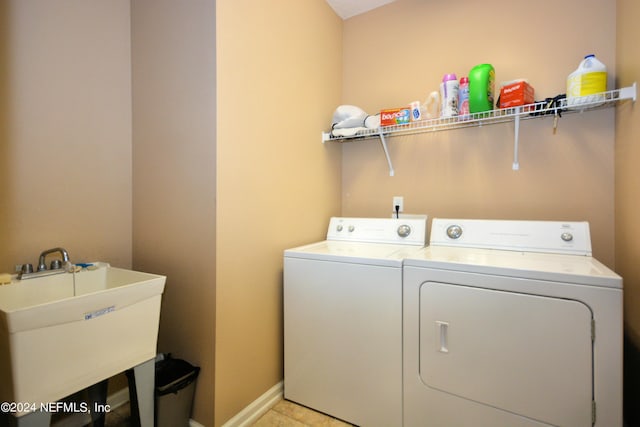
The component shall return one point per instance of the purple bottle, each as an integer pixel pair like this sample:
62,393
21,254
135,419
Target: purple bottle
449,95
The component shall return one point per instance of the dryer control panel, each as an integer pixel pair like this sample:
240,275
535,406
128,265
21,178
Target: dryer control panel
571,238
406,231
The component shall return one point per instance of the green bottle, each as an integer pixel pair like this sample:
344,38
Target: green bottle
481,88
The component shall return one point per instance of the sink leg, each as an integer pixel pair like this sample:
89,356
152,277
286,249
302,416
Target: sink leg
98,402
34,419
144,375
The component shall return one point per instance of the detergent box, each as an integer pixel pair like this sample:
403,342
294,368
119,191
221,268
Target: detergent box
516,93
395,116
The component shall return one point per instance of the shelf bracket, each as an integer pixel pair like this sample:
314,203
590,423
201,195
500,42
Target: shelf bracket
516,135
383,141
628,92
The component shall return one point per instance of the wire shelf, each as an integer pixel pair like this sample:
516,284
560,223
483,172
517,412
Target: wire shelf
502,115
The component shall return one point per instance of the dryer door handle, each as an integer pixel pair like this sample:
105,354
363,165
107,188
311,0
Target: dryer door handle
442,332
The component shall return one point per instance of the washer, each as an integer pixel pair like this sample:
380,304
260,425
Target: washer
343,319
511,323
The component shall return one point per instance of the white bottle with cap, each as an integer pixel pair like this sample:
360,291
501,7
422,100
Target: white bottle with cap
586,84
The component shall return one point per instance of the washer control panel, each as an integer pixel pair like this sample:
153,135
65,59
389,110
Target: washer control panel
528,236
408,231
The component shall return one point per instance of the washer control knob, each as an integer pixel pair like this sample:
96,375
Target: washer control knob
404,230
339,227
351,228
567,237
454,231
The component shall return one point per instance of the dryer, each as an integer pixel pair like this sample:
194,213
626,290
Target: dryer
343,319
511,323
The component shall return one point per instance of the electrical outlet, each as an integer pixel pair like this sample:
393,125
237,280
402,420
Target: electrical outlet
398,201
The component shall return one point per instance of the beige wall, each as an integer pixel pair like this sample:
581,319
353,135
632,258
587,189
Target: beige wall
174,175
399,53
627,203
66,96
65,130
279,79
627,177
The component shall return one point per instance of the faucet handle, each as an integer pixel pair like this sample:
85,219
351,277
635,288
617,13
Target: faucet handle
56,264
26,268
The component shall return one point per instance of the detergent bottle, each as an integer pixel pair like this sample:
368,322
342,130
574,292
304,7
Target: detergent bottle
588,80
481,88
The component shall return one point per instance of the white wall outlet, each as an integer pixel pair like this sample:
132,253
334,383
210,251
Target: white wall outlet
399,202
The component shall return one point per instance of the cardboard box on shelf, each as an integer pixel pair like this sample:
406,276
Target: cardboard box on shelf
395,116
517,93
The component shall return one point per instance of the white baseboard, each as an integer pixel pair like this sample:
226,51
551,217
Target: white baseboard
193,423
119,398
257,408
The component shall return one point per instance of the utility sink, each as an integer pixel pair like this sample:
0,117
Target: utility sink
62,333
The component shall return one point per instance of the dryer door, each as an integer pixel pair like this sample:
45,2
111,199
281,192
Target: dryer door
526,354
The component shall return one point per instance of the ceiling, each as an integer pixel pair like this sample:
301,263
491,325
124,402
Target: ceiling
348,8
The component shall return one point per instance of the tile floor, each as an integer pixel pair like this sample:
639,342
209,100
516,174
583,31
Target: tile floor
289,414
282,414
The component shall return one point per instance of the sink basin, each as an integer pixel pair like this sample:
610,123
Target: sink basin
62,333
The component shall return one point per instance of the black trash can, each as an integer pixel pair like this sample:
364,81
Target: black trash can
175,386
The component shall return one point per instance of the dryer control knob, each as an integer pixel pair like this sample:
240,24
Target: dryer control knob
567,237
339,227
351,228
454,231
404,230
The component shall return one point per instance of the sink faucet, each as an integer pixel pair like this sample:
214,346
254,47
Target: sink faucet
42,266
